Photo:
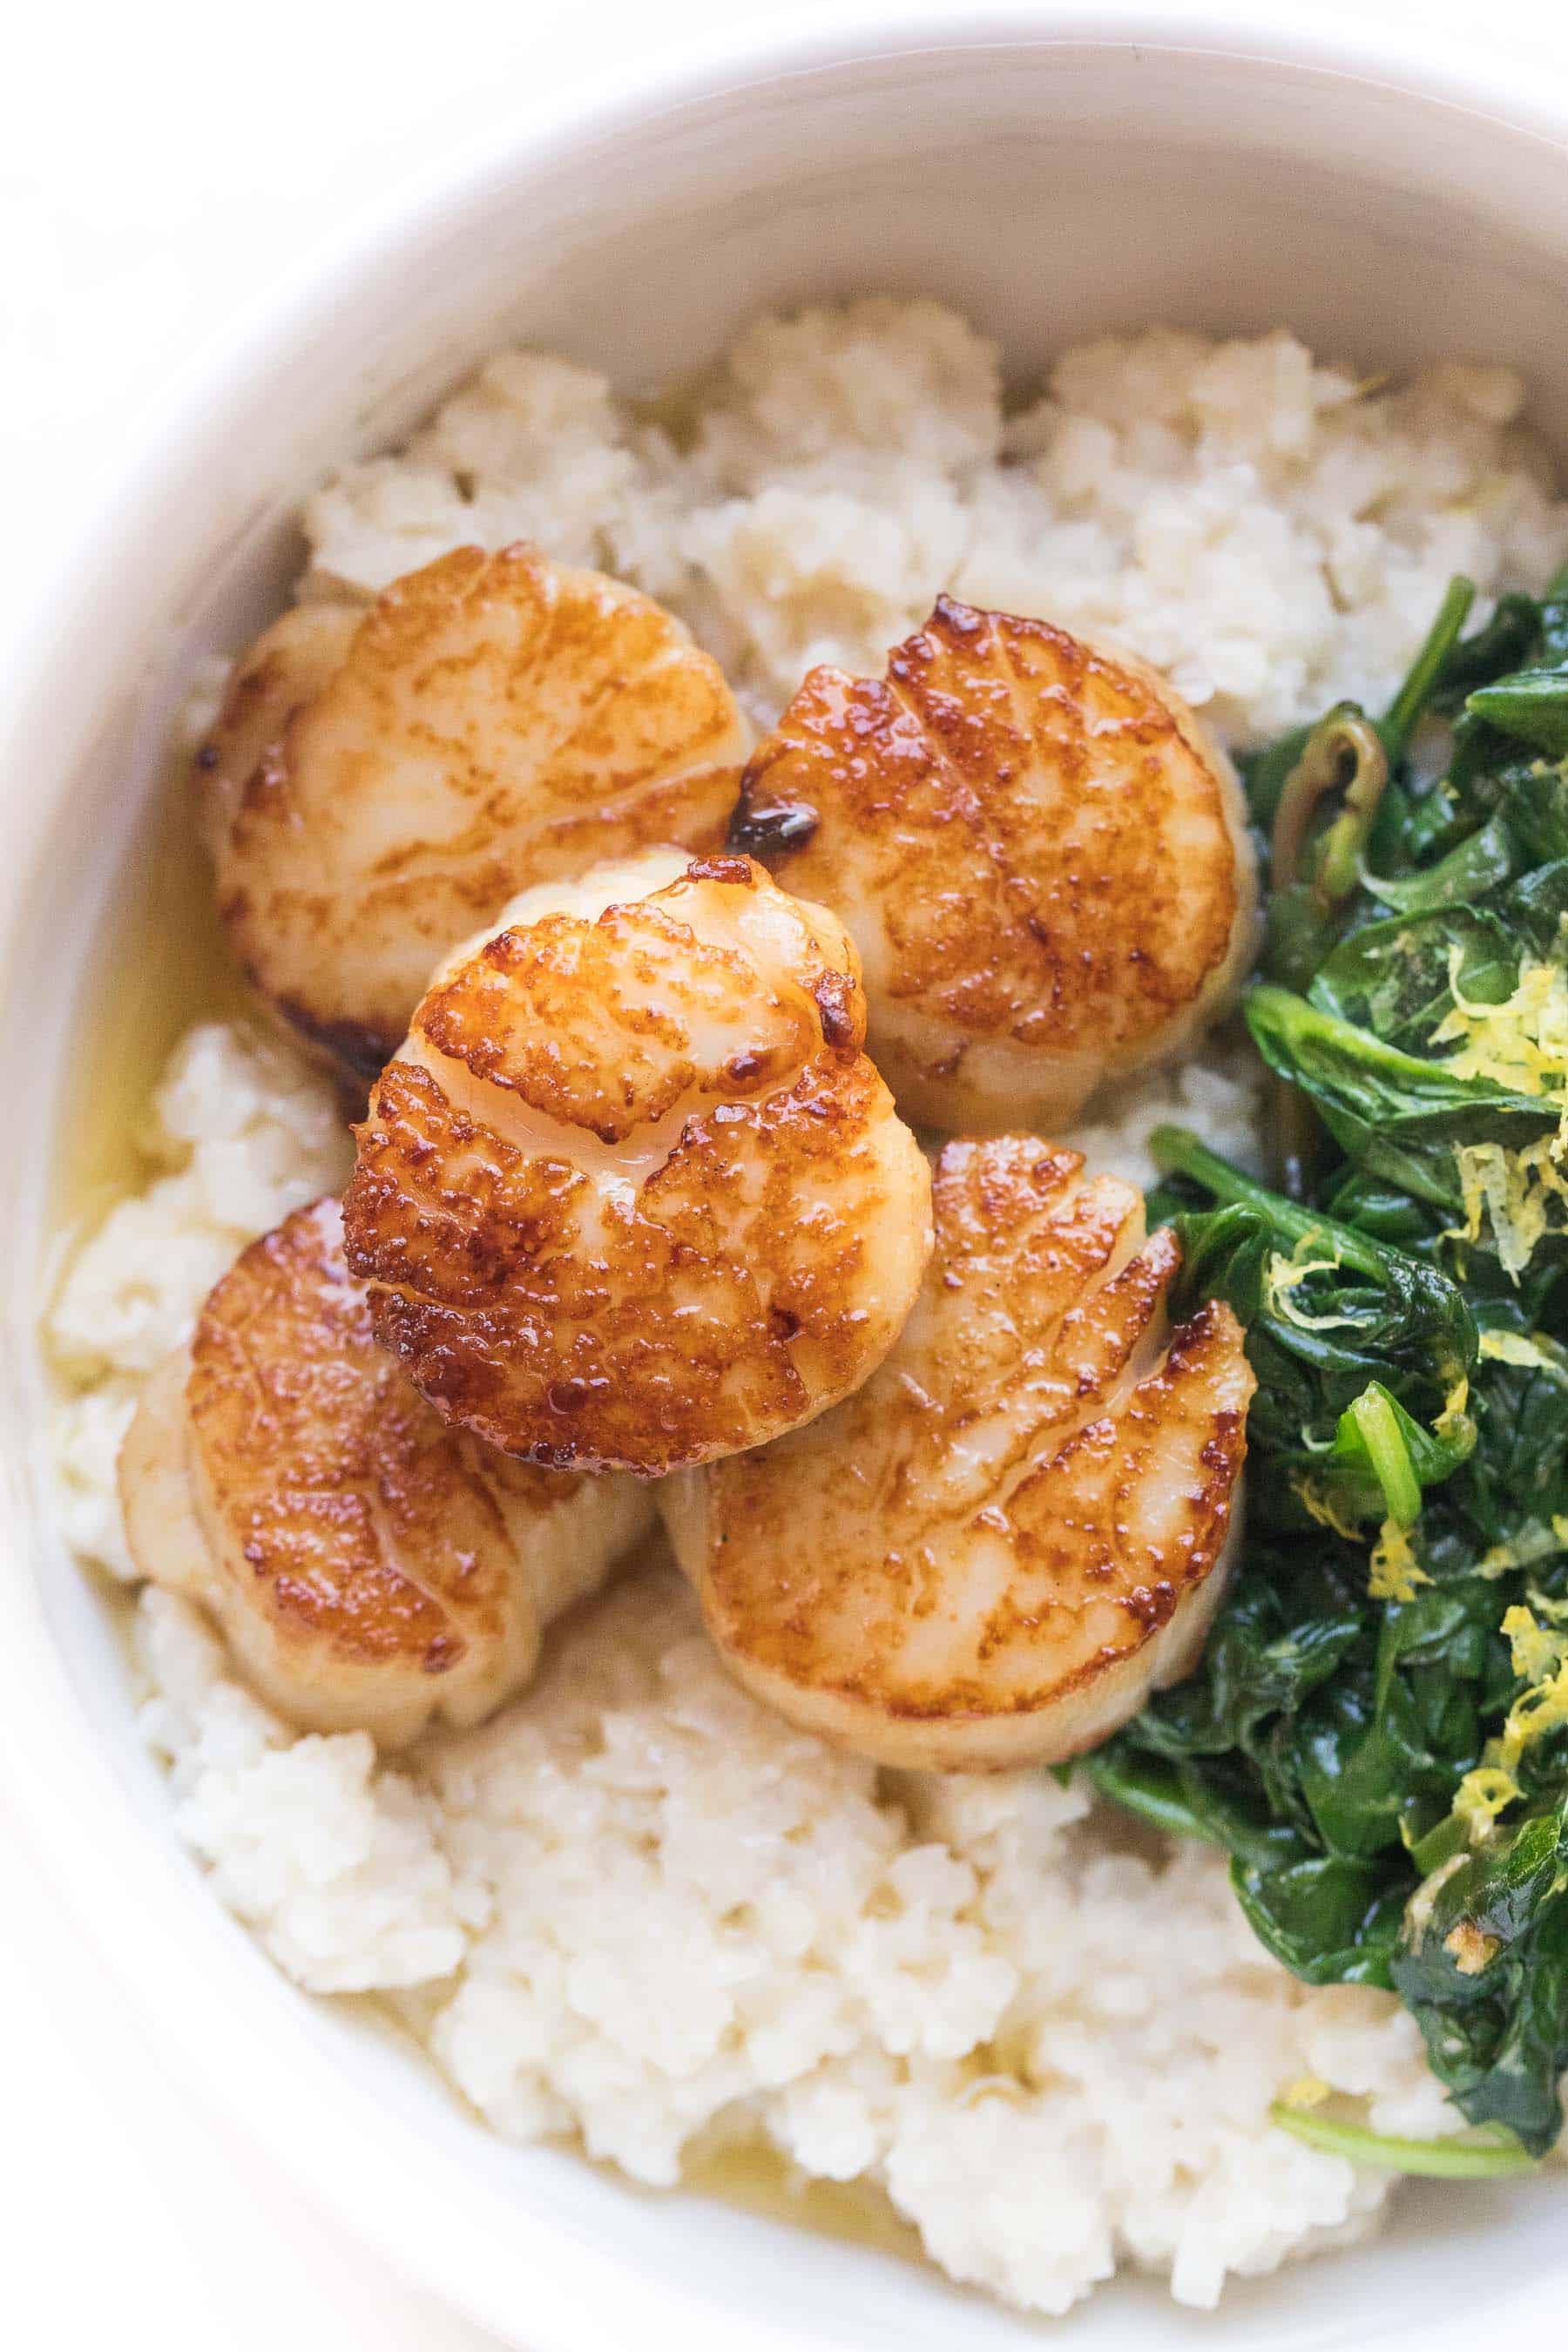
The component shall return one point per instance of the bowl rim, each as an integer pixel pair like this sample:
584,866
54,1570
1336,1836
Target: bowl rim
1438,68
582,2294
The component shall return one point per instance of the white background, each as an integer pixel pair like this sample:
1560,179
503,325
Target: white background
160,162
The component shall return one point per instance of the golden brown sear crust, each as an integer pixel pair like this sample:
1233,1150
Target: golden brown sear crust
372,1568
286,1379
610,1025
1040,855
379,783
632,1196
989,1554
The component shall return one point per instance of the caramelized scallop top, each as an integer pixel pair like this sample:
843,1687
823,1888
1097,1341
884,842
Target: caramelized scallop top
379,783
1039,852
371,1568
631,1194
991,1553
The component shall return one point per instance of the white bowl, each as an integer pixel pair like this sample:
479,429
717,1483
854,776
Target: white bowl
1097,174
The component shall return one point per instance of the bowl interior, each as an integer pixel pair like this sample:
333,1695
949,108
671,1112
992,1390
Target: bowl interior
1052,190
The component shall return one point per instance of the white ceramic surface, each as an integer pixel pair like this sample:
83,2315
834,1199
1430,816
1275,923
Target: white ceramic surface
1097,174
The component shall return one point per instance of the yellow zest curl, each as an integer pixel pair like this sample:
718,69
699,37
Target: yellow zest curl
1533,1540
1395,1573
1317,1506
1305,2091
1521,1043
1285,1274
1521,1195
1535,1353
1482,1796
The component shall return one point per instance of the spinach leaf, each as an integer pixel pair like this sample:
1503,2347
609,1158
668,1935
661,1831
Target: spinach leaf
1393,1114
1510,641
1485,1970
1532,705
1331,1921
1396,977
1473,867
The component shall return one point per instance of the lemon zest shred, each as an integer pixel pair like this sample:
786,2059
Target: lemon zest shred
1540,1659
1394,1573
1533,1539
1423,1902
1540,1654
1317,1506
1530,1352
1305,2091
1514,1192
1543,1709
1537,1650
1510,1348
1555,1611
1482,1796
1284,1275
1455,1410
1520,1044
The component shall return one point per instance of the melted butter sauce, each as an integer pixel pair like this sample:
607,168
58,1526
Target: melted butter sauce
160,964
753,2176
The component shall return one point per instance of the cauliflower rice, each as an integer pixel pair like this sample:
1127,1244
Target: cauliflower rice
639,1909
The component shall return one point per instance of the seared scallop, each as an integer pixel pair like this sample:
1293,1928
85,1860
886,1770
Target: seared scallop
991,1553
1039,851
371,1569
379,783
631,1195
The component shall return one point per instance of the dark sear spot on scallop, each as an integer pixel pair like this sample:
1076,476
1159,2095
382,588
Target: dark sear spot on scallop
773,830
1000,818
834,992
720,868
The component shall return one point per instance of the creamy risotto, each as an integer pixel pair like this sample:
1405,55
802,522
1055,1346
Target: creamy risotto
639,1909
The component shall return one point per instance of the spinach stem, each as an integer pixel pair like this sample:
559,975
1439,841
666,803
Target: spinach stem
1493,2154
1390,1456
1404,713
1439,1844
1149,1790
1343,755
1178,1152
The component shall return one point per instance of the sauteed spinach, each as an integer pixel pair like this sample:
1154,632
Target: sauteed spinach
1378,1731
